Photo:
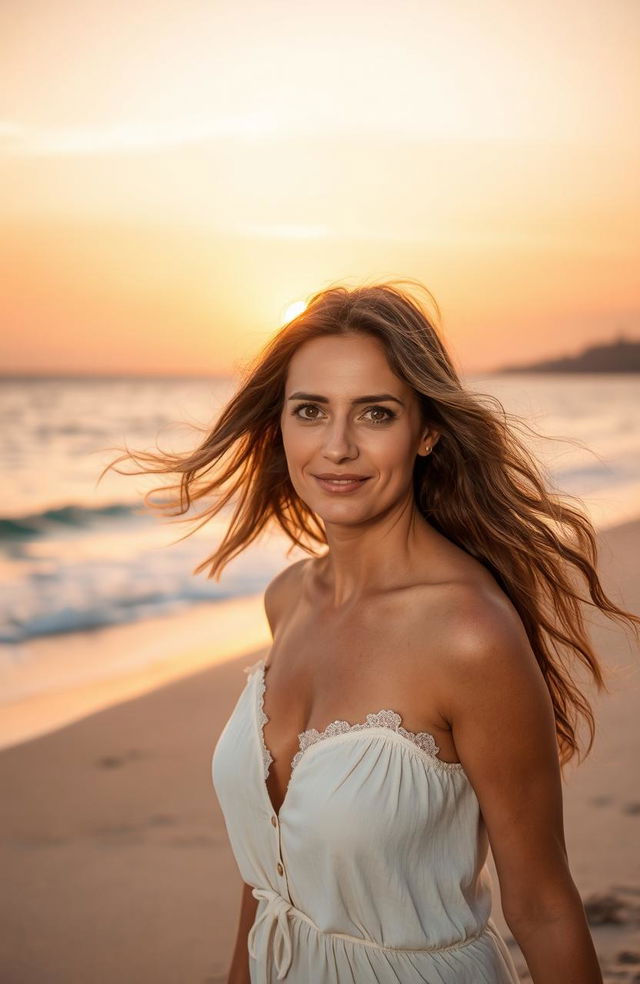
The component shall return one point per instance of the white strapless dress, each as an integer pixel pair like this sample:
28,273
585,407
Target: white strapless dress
374,871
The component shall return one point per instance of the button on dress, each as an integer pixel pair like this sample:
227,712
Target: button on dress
374,870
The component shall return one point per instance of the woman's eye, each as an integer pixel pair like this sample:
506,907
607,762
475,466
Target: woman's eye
387,414
304,406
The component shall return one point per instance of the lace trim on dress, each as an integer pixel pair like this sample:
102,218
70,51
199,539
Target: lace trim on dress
254,666
385,718
263,719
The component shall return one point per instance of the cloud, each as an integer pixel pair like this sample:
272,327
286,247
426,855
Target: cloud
282,231
22,140
462,237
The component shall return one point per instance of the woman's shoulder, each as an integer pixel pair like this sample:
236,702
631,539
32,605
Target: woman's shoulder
468,617
282,590
474,651
458,627
472,604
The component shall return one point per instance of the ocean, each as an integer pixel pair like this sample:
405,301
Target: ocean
75,555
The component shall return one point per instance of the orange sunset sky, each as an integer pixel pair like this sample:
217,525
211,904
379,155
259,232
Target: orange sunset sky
173,173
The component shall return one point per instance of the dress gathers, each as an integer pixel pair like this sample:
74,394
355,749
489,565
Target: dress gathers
374,870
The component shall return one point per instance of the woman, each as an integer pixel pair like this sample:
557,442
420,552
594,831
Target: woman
416,703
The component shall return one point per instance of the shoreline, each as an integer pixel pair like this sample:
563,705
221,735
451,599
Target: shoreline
165,648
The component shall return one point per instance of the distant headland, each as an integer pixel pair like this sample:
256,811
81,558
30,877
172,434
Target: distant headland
621,355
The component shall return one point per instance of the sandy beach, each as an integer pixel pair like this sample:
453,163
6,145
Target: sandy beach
115,860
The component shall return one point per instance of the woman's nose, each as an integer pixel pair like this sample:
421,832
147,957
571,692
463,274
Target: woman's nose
339,440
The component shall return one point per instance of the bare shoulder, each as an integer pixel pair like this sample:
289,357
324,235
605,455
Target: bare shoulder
281,590
478,630
484,657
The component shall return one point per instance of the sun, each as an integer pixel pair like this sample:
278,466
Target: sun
293,310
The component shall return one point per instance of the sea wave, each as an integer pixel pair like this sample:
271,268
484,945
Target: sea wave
102,613
33,525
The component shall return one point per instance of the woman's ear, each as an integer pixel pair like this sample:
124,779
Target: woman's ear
430,437
429,440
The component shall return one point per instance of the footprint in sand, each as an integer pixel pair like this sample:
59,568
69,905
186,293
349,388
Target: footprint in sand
628,957
601,800
114,761
162,820
602,910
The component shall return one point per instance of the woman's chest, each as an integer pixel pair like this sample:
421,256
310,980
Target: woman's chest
322,669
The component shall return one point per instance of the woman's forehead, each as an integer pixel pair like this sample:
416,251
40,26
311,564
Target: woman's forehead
341,361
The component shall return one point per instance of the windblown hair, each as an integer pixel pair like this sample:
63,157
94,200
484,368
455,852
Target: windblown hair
480,487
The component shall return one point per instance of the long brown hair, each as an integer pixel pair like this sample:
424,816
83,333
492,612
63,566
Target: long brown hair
480,486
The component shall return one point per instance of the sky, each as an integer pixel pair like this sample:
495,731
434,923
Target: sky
175,173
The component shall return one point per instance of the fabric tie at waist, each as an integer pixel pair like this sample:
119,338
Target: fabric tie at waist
276,913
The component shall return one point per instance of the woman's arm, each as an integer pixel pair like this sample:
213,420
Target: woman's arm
502,721
560,947
239,970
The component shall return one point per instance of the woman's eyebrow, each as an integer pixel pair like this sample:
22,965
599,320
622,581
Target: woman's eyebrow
376,398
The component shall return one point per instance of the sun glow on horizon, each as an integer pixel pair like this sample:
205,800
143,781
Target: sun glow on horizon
168,200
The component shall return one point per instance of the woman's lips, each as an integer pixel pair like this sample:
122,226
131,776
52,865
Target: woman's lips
340,487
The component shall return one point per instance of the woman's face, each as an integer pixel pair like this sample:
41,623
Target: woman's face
346,413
